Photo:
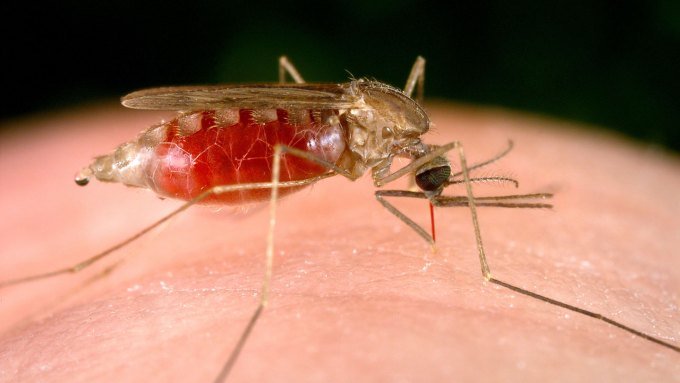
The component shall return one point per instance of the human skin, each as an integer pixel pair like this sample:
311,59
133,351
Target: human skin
356,295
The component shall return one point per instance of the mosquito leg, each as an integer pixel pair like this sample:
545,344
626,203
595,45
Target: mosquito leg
380,196
279,151
216,190
468,188
285,66
516,200
486,272
274,185
455,201
416,77
65,298
499,201
506,201
269,262
411,168
335,169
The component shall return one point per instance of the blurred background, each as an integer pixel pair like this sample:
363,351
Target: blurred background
609,63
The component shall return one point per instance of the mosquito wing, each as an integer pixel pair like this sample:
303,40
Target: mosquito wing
255,96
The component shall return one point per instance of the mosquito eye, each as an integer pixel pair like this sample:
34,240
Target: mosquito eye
433,178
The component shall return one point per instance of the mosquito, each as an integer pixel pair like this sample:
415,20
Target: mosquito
237,144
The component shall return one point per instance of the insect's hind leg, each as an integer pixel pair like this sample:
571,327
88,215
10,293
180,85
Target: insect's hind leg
285,66
216,190
274,185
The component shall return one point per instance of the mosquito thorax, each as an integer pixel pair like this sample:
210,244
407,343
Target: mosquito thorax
384,123
406,117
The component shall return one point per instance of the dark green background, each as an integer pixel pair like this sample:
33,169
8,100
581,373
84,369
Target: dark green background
608,63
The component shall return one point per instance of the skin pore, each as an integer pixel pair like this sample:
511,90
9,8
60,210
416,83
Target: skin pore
356,295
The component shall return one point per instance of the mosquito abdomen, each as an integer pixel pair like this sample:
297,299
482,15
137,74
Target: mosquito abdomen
195,151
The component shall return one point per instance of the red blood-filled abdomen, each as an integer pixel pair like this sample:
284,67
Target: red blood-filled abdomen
239,150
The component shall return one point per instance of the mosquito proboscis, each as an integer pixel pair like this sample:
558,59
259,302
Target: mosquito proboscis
246,143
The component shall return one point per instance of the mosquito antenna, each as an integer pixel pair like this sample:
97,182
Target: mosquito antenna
489,161
485,179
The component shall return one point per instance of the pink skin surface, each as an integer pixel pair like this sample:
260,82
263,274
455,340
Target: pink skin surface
356,295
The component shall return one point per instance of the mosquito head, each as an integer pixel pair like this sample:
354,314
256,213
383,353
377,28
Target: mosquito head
433,176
